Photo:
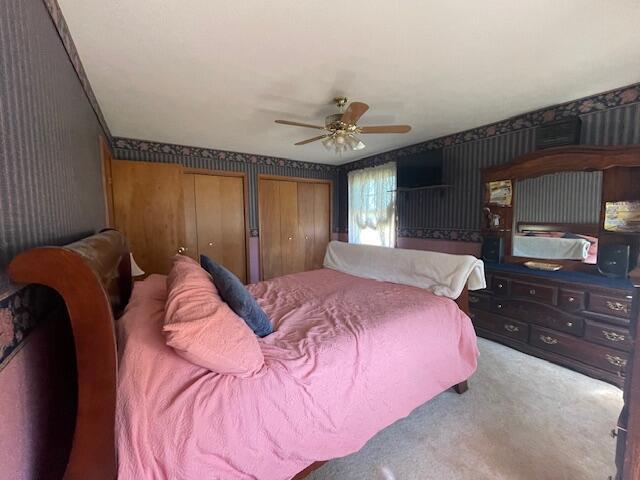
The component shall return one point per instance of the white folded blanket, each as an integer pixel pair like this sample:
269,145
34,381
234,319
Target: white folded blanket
442,273
550,247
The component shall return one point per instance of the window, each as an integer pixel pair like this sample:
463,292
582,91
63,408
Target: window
372,205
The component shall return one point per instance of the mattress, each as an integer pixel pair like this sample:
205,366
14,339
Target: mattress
349,356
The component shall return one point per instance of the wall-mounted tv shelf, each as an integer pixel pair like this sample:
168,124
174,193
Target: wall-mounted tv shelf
430,187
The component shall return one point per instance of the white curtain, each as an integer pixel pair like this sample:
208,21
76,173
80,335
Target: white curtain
372,205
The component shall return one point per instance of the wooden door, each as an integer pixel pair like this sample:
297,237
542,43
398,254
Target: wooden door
148,209
294,225
220,220
270,228
190,227
306,224
292,260
322,222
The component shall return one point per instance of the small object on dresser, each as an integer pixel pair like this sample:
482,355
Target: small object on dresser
492,249
548,267
613,260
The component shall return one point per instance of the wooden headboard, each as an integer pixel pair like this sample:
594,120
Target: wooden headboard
93,276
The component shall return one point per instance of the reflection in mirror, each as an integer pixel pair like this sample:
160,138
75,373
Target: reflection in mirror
556,216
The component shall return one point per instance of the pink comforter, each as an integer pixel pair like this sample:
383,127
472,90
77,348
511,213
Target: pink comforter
348,357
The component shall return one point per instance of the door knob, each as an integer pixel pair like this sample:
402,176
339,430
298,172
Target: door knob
182,250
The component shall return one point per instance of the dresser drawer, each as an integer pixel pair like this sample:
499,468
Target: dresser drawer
478,300
541,293
610,336
571,300
502,326
608,305
537,313
500,285
601,357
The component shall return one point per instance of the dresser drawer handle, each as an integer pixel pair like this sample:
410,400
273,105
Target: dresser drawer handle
511,328
617,306
473,299
500,285
613,336
532,291
499,306
569,324
548,340
615,360
571,299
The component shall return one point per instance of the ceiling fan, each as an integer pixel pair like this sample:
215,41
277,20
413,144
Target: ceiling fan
342,129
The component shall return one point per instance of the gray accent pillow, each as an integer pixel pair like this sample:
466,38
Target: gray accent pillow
234,293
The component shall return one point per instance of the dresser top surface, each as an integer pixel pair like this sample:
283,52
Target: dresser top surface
561,275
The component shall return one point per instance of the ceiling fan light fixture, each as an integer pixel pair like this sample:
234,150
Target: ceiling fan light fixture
341,128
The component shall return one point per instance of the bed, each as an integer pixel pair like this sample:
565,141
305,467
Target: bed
349,356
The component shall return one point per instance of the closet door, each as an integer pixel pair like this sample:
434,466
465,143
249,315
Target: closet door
148,209
270,229
190,227
306,224
220,221
294,225
321,223
292,254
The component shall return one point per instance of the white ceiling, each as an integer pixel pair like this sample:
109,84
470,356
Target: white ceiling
212,73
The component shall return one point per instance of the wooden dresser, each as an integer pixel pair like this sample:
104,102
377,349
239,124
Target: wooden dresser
574,319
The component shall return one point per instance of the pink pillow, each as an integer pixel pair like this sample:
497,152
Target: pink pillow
203,329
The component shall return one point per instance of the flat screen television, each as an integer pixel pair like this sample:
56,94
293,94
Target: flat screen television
420,170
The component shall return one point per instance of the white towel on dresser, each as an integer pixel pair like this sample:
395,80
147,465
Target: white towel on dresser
550,247
442,273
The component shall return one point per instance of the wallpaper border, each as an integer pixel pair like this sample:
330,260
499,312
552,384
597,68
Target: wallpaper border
20,313
222,155
594,103
449,234
67,41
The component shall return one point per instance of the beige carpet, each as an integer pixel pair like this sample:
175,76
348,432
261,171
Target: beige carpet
523,418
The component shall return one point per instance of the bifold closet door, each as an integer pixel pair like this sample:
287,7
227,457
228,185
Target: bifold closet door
313,223
270,228
215,220
148,210
321,223
294,225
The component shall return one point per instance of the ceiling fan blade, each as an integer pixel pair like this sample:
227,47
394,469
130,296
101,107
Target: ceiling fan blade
304,142
386,129
298,124
353,112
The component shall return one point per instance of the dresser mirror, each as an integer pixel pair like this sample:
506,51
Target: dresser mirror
556,216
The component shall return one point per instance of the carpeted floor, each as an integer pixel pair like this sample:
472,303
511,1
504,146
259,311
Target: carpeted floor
523,418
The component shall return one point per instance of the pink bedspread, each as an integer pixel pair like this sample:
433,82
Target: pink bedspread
349,357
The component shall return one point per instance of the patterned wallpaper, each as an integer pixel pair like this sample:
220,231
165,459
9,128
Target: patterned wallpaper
50,172
577,193
129,149
611,118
